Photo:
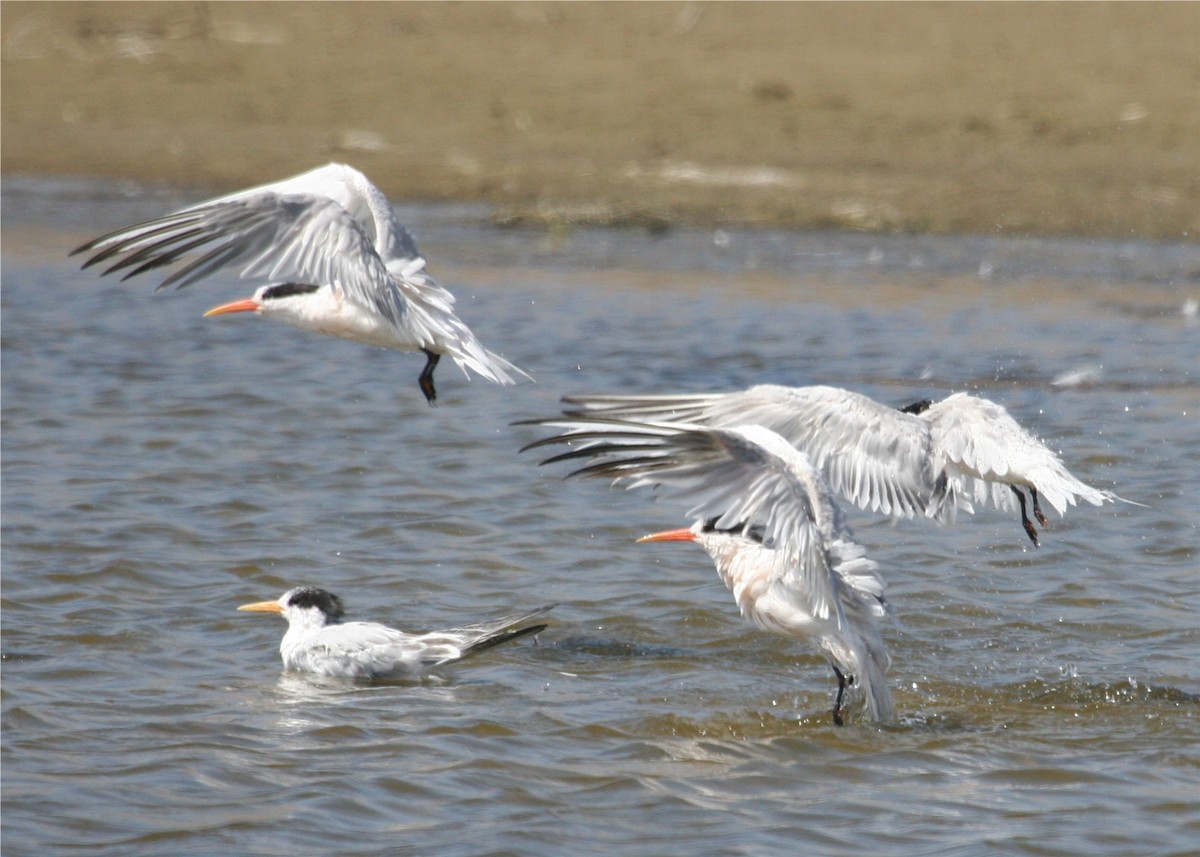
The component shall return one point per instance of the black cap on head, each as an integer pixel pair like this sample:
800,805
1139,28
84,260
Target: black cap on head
917,407
753,532
288,290
326,602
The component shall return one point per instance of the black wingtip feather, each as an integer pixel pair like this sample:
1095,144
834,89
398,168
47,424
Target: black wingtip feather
502,638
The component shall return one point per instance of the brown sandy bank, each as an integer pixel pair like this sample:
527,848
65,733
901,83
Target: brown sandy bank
1034,118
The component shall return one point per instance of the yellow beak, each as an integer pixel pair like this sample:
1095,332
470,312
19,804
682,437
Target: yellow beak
262,607
244,305
680,535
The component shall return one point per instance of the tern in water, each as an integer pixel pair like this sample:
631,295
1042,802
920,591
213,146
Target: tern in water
336,260
929,458
318,641
766,517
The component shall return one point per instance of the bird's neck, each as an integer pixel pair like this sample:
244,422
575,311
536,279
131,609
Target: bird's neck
745,566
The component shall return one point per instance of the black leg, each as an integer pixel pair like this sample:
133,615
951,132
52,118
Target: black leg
426,378
1025,522
837,704
1037,509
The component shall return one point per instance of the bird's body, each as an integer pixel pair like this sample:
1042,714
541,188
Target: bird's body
767,519
930,459
992,458
319,642
336,259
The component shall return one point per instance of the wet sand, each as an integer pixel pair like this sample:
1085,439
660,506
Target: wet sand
1069,119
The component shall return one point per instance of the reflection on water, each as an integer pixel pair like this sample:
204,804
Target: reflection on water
161,468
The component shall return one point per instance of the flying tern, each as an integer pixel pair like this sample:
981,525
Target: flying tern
318,641
929,459
335,258
768,520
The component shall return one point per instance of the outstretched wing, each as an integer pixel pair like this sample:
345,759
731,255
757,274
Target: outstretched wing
872,454
327,227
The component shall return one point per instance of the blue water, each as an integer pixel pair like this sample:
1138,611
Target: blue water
160,468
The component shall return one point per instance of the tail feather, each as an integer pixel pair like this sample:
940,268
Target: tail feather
500,639
872,678
491,634
431,315
469,354
859,651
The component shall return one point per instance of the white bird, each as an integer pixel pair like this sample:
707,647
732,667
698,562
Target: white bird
318,641
337,260
769,522
929,458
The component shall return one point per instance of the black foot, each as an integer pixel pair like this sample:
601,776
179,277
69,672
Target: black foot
1030,530
1037,509
838,720
425,381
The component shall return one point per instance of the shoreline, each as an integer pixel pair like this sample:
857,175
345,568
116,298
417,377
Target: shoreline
908,118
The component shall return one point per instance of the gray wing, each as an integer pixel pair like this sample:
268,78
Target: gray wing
265,236
371,649
329,226
874,455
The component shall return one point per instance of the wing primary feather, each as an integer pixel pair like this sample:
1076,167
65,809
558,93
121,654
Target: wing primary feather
166,256
618,468
499,639
211,261
125,238
594,451
132,242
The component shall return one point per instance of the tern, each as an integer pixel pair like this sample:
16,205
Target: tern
336,259
927,459
768,520
318,641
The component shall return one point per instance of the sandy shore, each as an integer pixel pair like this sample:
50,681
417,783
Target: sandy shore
1072,119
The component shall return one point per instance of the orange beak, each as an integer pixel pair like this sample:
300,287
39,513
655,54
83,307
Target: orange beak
681,535
262,607
244,305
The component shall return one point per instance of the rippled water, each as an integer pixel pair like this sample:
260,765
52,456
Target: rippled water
159,469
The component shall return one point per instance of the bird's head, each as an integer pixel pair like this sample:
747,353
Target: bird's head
283,298
709,536
725,546
304,605
917,408
707,527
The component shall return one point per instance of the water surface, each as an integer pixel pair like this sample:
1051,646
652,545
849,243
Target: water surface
161,468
